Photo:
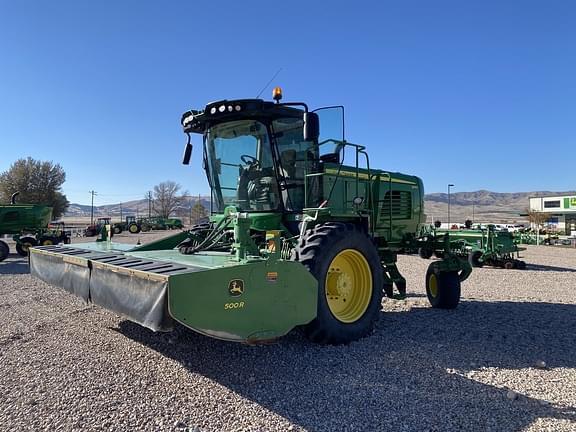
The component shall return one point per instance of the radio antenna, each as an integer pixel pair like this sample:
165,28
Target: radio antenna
268,83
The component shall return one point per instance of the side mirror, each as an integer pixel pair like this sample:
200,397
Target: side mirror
187,154
311,126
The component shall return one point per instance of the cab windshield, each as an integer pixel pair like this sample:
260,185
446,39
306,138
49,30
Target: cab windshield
240,166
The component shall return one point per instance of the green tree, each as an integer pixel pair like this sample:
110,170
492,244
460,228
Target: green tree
39,182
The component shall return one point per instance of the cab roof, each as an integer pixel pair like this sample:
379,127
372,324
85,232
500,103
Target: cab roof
197,121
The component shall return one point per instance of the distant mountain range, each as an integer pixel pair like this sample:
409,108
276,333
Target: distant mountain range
136,208
482,206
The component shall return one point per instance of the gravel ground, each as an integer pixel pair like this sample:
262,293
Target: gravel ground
504,360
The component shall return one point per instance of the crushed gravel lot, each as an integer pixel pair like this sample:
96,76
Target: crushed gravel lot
504,360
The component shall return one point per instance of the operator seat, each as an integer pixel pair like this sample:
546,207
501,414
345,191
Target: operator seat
293,186
288,162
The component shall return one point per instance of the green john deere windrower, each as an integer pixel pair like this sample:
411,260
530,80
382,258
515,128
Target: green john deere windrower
296,238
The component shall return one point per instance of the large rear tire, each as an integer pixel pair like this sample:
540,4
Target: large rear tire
134,228
442,288
24,244
4,250
347,267
117,229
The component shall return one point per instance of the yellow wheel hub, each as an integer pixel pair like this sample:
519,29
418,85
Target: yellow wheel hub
47,242
348,286
433,285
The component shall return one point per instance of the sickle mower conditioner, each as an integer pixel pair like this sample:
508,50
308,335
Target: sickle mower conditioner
296,237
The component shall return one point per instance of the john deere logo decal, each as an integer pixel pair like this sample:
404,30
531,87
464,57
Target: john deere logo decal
236,287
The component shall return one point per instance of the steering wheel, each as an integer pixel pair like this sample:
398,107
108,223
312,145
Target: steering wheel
250,160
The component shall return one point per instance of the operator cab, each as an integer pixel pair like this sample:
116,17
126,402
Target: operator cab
257,154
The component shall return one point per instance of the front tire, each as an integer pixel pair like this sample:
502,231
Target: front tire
347,267
4,250
47,241
509,264
474,258
24,244
442,288
425,253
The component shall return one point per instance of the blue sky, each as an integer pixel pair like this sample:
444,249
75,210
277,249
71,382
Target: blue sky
479,94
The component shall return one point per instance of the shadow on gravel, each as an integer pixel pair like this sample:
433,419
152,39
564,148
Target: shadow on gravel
14,264
414,373
540,267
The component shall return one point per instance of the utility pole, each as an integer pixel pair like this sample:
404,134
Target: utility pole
449,186
92,207
149,204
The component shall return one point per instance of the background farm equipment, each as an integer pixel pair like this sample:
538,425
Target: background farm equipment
97,227
54,234
174,223
134,226
29,226
130,224
481,247
153,223
160,223
296,238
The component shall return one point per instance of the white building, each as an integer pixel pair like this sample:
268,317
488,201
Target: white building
561,210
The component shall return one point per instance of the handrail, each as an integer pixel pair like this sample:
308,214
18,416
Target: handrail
360,150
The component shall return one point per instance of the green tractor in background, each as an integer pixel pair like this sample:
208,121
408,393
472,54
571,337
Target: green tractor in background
130,224
29,225
296,237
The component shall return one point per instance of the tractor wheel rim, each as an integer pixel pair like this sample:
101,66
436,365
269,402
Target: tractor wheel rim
47,243
348,286
433,285
26,247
